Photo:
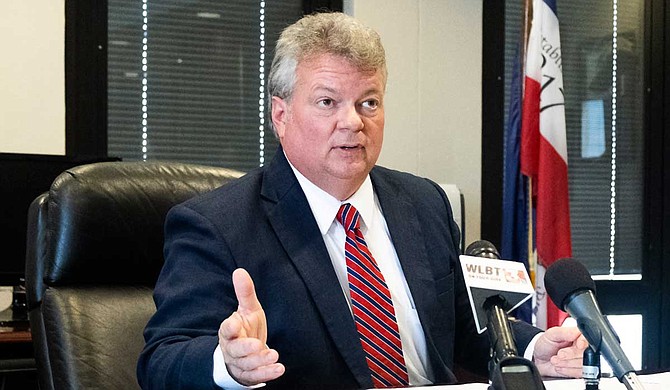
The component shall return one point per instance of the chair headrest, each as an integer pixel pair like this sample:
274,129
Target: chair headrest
105,220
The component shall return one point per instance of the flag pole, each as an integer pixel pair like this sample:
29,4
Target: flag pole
532,263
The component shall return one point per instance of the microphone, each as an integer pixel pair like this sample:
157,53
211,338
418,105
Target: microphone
483,248
507,370
500,332
571,288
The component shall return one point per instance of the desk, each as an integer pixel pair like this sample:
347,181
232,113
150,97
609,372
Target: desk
651,382
17,361
15,334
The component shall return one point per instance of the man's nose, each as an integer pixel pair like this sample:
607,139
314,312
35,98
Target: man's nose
351,119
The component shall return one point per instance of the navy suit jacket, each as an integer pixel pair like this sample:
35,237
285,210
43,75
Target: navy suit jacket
263,223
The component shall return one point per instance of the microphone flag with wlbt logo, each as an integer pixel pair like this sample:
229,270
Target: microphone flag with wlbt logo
486,278
537,148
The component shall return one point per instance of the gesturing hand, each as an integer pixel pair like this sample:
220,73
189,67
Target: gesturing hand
243,336
559,352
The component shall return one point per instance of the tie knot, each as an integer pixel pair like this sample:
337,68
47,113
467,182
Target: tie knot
349,217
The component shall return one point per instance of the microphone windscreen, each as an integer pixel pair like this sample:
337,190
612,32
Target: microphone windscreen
564,277
482,248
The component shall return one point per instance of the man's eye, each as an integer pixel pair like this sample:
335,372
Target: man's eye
371,104
325,102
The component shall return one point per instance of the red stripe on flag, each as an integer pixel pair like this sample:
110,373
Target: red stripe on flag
553,217
553,206
530,129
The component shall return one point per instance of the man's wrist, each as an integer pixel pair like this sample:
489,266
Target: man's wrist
530,349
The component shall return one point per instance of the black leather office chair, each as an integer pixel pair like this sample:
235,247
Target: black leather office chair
95,248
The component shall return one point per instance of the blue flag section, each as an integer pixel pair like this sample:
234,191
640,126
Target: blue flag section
514,242
551,4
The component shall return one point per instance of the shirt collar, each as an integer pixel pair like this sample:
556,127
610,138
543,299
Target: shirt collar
325,207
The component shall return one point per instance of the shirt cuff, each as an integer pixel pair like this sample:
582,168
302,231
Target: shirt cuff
530,349
222,377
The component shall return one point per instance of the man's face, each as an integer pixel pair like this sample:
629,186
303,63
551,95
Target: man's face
332,127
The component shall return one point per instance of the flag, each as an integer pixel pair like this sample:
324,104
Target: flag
514,238
543,154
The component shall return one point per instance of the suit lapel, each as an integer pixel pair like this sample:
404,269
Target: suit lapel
291,218
408,239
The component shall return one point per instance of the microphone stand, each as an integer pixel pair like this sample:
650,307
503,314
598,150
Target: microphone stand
507,370
591,372
631,381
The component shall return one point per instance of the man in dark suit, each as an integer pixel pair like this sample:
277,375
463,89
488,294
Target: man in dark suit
258,284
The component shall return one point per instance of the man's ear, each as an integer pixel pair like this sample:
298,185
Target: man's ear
279,115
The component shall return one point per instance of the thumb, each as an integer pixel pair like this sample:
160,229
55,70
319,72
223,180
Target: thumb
245,291
564,335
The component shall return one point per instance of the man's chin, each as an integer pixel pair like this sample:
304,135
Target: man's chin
352,171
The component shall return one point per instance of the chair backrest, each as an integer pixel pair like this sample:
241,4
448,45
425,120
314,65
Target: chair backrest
95,248
458,208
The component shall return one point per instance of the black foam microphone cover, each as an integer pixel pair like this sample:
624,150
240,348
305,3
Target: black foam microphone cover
564,277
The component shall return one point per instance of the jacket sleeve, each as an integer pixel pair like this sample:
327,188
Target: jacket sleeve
193,294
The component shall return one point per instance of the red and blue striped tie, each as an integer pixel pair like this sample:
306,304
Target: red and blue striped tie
372,306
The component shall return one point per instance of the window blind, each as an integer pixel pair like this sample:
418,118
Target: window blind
186,79
603,64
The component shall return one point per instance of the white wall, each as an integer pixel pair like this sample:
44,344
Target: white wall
433,104
433,101
32,76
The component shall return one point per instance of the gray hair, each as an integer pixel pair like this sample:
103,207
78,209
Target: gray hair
323,33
